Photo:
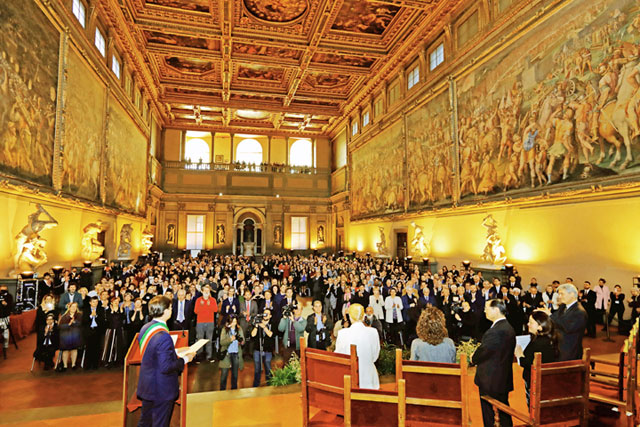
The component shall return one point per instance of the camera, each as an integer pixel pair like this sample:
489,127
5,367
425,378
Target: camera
257,319
287,310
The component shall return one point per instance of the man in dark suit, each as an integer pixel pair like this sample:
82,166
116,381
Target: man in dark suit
158,386
319,327
494,360
588,301
182,312
571,320
68,297
93,323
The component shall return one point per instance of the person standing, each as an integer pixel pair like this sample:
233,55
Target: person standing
319,327
494,360
231,340
570,320
181,317
588,301
367,344
602,301
205,309
93,323
292,328
158,386
617,306
263,345
6,305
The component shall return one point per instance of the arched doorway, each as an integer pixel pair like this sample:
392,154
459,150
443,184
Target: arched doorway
248,238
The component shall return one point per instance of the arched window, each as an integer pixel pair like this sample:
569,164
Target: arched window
249,151
301,153
196,149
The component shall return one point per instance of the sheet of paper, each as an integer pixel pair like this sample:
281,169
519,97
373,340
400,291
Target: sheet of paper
194,348
175,339
522,341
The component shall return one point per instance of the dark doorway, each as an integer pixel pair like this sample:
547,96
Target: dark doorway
102,238
401,244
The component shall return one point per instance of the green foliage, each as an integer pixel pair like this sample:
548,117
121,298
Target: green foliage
386,363
468,348
288,374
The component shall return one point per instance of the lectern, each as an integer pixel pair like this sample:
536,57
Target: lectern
130,402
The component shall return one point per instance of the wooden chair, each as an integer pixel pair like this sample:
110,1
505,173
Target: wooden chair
322,378
366,407
437,393
559,394
618,388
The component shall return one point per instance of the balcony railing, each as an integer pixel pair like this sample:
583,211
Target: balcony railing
242,167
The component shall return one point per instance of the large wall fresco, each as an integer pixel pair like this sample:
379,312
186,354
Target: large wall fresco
126,169
430,153
84,117
377,174
559,105
28,81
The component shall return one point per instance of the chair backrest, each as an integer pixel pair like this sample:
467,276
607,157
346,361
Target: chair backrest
366,407
560,391
437,393
322,377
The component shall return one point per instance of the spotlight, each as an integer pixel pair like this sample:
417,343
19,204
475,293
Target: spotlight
87,264
103,261
425,262
219,194
57,270
409,258
25,275
368,254
508,268
466,264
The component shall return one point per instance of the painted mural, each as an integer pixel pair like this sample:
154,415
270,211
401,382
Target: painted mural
258,72
364,17
430,153
177,40
126,169
377,174
261,50
28,82
560,105
195,6
349,60
277,10
83,130
190,66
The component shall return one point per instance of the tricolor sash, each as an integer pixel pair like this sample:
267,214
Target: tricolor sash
153,330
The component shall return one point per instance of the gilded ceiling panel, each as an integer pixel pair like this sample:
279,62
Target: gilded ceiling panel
189,65
325,81
266,51
258,72
359,16
277,11
191,5
347,60
184,41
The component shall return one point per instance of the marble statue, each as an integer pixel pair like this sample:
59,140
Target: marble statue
171,234
381,246
146,240
320,234
92,247
30,253
420,246
493,251
277,234
220,233
124,249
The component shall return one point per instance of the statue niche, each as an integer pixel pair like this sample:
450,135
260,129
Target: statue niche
493,251
124,248
146,240
92,248
381,246
420,246
30,252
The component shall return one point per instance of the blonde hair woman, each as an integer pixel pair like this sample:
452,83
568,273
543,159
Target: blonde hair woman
70,325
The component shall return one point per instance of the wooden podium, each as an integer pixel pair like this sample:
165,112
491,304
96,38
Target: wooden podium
131,404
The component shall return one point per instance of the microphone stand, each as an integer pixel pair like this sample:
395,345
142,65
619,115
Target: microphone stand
606,324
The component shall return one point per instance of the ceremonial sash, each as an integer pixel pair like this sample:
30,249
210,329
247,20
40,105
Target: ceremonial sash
153,330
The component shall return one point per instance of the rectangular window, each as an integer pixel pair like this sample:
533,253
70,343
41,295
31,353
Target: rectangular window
377,108
299,232
436,57
115,66
195,232
365,119
394,94
468,29
354,128
100,43
414,77
79,11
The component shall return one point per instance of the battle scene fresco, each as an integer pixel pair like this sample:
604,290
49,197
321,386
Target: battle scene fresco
185,41
348,60
28,82
83,130
126,170
190,66
361,16
559,105
251,49
430,153
191,5
377,174
277,10
258,72
324,80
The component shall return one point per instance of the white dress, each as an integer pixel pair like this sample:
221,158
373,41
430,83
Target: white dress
367,348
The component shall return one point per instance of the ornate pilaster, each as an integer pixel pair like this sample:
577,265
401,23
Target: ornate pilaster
104,150
453,108
61,101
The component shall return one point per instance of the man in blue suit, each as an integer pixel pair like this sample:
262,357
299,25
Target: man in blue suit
158,385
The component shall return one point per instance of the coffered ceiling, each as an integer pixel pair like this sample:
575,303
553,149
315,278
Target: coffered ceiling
273,65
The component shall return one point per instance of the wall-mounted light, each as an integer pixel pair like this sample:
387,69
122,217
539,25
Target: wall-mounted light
425,262
219,194
508,268
25,275
466,264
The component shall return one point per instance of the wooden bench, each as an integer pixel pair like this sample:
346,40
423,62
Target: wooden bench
437,394
322,378
559,394
618,388
366,407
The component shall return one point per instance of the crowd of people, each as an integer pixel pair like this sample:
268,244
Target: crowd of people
249,308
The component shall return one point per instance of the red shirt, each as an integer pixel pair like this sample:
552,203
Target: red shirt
205,309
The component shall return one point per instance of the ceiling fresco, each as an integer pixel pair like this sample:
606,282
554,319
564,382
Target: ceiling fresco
255,61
